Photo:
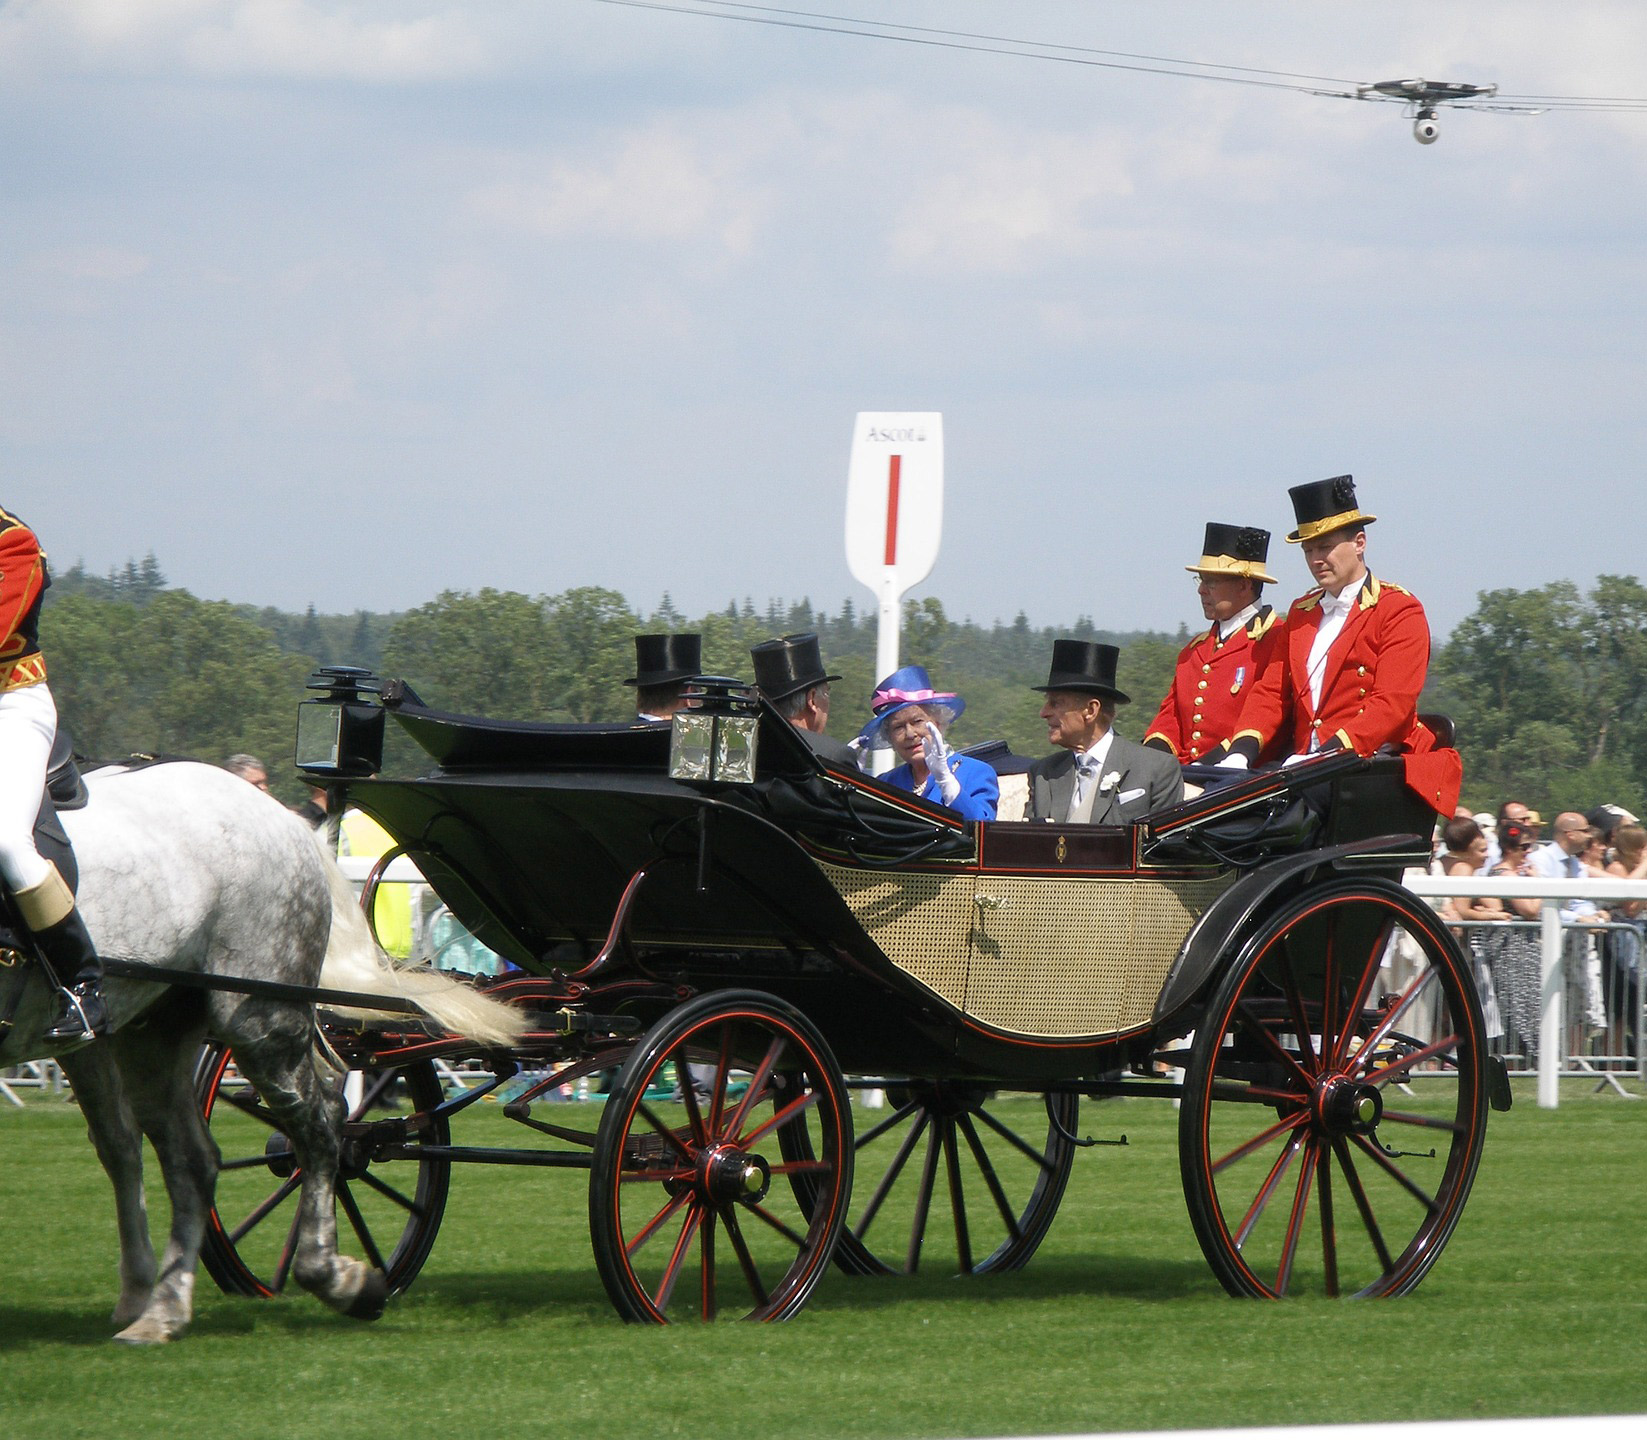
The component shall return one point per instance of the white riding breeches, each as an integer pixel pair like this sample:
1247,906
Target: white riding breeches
28,725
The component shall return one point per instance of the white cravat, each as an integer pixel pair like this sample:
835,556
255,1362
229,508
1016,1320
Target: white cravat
1335,610
1226,628
1088,763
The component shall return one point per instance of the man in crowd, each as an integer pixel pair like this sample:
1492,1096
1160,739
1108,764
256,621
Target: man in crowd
1356,653
1097,777
250,769
1216,671
790,673
663,665
1558,860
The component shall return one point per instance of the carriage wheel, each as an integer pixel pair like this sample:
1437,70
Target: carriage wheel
994,1178
691,1209
1335,1101
392,1207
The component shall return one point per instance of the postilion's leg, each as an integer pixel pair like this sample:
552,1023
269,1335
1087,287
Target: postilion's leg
47,908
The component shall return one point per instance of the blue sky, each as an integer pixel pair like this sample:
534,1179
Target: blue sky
353,303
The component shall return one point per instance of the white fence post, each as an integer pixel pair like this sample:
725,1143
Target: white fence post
1553,976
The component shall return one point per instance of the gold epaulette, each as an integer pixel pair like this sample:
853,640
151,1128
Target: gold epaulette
1308,602
1261,623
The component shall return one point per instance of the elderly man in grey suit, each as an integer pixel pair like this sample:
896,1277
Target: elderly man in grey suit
1097,778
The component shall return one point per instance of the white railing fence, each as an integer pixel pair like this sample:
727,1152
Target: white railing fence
1567,950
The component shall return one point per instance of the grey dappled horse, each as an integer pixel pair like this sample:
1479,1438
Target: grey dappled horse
187,866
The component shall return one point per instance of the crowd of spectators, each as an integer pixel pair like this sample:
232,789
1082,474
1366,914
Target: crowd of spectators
1605,944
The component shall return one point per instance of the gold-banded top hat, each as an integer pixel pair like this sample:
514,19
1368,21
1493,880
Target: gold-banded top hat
1239,550
1325,505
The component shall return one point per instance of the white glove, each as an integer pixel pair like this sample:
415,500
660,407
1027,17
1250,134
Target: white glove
936,754
1235,760
1292,760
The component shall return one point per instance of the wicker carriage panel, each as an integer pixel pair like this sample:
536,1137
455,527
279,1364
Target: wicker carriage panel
921,922
1065,956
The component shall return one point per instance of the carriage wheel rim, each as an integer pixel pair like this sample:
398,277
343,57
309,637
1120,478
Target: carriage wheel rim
713,1199
1323,1145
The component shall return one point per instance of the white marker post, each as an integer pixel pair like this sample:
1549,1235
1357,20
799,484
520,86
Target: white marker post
894,511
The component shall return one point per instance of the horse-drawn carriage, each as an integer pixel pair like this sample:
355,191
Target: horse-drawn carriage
734,939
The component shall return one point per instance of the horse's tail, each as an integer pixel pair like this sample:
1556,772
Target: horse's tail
354,961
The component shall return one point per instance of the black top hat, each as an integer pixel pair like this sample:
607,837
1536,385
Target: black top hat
784,666
1084,666
1234,550
663,659
1325,505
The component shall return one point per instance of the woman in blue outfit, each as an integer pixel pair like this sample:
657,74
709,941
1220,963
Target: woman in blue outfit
911,717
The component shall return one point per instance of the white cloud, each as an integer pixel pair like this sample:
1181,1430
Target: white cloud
685,180
288,39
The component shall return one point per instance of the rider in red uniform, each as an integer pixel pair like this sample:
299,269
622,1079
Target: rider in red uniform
1356,654
1218,670
28,725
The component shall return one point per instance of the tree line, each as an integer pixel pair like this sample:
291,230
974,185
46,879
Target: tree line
1547,687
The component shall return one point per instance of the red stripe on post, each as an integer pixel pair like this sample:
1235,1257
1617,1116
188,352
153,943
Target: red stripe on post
892,510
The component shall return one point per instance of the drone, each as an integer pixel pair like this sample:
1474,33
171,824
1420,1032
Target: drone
1422,98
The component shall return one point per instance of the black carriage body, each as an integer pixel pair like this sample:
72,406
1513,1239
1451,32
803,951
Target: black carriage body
919,944
723,952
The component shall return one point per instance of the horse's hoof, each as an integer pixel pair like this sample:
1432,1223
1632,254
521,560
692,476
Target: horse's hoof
143,1332
373,1296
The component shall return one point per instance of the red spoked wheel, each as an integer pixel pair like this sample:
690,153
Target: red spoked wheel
692,1207
1335,1102
389,1197
959,1176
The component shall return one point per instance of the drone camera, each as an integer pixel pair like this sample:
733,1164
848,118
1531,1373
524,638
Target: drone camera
1426,128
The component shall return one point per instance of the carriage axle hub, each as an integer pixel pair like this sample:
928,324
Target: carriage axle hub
278,1156
730,1175
1348,1107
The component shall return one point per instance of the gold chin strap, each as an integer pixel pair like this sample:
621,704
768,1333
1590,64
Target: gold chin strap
47,903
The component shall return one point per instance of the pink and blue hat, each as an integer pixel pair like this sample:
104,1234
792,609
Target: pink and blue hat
910,685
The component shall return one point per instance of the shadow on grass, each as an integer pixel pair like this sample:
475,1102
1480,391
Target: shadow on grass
1111,1277
502,1295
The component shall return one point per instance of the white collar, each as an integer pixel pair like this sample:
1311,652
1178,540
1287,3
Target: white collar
1340,603
1099,751
1226,628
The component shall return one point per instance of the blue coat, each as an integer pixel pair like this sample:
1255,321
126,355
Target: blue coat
980,789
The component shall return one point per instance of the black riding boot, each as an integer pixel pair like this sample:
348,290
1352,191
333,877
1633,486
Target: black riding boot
81,1014
49,912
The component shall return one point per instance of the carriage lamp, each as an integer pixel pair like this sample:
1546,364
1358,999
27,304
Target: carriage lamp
340,734
715,739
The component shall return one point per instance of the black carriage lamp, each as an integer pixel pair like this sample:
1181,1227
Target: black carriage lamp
714,738
340,733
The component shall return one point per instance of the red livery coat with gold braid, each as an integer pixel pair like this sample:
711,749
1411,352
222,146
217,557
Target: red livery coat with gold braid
1369,688
1211,684
23,582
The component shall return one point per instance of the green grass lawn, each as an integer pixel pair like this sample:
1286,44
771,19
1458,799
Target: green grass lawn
1538,1306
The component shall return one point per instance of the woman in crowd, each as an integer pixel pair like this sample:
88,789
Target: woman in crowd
1464,855
1514,956
1627,949
911,718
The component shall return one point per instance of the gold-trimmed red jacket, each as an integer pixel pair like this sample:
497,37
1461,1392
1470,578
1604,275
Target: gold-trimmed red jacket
1211,684
23,582
1374,672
